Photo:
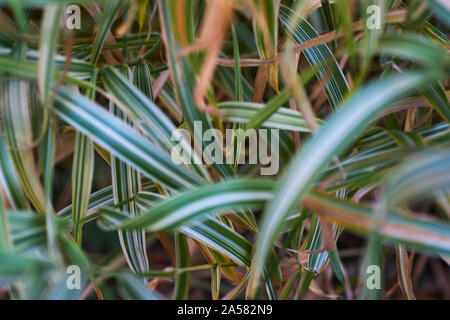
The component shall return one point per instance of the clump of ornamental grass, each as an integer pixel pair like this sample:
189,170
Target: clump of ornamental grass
116,180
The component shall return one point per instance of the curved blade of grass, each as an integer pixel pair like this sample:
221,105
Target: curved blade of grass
119,138
331,140
351,215
182,280
148,116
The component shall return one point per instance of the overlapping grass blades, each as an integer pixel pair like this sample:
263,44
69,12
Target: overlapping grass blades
363,118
